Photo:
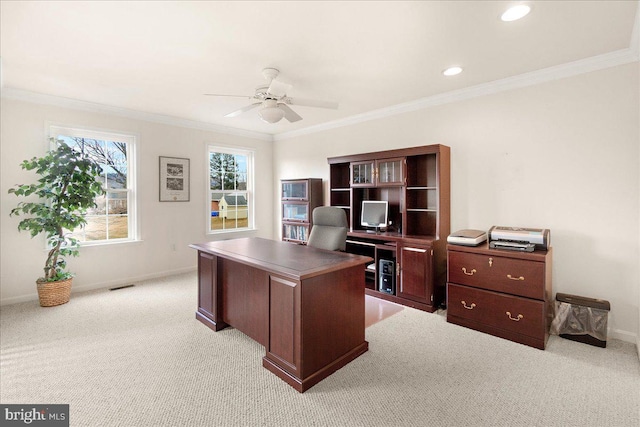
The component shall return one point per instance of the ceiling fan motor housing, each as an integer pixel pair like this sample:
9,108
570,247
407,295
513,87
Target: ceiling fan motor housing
262,92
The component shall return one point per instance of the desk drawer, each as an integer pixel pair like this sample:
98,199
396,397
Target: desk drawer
513,276
520,315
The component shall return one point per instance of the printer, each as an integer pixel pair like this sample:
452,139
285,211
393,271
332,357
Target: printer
518,238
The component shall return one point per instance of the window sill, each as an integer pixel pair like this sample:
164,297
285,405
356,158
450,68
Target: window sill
233,233
109,243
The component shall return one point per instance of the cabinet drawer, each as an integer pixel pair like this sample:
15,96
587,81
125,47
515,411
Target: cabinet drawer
520,315
513,276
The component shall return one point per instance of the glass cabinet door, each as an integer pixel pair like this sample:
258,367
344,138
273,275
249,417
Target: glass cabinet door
295,190
362,174
295,212
295,233
391,171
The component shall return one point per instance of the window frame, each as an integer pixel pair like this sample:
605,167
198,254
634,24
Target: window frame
250,192
131,190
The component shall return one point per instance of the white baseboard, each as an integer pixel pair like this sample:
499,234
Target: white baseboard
101,285
624,336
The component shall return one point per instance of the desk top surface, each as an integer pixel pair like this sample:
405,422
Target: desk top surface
293,260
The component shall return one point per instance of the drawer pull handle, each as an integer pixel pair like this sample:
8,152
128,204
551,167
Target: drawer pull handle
490,262
468,307
515,278
471,273
515,319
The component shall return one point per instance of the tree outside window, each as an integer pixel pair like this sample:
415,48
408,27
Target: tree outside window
229,195
111,219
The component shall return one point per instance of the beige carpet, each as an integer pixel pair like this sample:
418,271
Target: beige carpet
138,357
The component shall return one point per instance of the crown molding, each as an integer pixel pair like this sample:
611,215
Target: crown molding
594,63
39,98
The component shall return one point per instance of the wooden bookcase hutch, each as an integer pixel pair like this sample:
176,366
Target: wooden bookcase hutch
299,197
416,184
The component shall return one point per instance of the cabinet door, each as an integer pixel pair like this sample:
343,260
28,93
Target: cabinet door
379,172
295,232
390,172
292,211
416,273
295,190
363,174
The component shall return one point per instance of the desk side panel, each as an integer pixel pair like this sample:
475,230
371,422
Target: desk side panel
209,293
332,316
245,294
284,324
206,296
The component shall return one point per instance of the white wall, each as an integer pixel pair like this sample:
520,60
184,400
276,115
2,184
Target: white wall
24,134
562,155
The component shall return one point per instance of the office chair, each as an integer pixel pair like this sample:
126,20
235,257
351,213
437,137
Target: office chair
329,230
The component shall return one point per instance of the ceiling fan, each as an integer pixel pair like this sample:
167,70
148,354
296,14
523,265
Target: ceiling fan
274,101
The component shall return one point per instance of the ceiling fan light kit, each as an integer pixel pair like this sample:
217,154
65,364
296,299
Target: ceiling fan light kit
274,100
270,113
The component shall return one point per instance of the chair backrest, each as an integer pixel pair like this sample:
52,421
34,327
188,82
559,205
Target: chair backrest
329,230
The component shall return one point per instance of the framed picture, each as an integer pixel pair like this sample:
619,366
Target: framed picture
174,179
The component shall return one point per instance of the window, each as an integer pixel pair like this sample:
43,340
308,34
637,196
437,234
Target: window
113,218
230,189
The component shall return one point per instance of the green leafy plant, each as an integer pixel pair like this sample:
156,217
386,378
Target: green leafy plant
67,187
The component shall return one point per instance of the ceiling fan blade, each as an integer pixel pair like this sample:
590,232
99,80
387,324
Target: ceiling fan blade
311,103
278,88
243,110
234,96
289,114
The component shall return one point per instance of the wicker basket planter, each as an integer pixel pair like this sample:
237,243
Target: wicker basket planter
54,293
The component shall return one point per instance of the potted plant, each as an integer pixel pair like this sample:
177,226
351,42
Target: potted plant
67,187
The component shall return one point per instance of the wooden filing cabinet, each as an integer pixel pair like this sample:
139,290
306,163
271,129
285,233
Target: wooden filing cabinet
503,293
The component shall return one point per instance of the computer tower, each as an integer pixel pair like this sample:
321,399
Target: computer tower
386,276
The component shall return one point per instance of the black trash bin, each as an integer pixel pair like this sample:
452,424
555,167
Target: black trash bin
581,319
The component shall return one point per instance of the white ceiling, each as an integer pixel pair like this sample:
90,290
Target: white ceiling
161,57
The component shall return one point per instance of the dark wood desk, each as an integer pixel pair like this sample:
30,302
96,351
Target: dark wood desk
305,305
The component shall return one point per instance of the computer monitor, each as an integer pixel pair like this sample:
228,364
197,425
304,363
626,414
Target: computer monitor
374,213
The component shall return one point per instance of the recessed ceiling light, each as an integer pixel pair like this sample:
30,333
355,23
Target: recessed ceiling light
452,71
516,12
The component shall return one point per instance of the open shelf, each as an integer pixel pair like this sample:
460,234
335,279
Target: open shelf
340,197
422,170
